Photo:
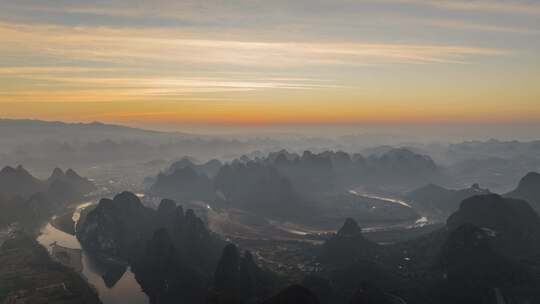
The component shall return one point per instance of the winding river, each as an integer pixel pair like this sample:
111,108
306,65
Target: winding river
125,290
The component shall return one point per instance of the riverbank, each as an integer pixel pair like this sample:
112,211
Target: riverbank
69,257
29,275
64,223
112,286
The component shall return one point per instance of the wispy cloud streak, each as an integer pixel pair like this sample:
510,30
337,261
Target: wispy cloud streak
495,6
135,46
103,63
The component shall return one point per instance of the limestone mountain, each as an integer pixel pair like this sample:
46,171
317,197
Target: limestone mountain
121,228
348,246
68,185
473,270
259,188
28,200
515,226
209,168
238,279
18,181
438,202
166,278
184,184
528,189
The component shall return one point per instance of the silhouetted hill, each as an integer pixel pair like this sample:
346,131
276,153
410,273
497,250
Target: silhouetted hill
171,252
528,189
473,270
294,294
488,250
117,227
348,246
164,277
467,245
437,202
321,288
515,226
182,163
122,227
402,169
309,173
18,181
238,279
29,201
259,188
69,185
367,294
291,186
183,184
209,168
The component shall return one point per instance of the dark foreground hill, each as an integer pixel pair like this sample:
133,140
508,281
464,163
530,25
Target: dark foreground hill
171,252
122,228
238,279
488,250
175,258
28,275
295,294
513,226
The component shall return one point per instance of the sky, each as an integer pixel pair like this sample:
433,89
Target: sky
251,63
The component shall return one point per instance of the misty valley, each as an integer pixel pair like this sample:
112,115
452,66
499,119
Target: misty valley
270,152
91,218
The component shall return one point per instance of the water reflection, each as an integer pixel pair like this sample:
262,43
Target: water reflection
115,284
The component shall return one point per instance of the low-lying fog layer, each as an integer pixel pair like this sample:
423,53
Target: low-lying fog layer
127,155
129,215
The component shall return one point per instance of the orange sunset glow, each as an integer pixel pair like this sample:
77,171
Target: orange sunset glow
174,66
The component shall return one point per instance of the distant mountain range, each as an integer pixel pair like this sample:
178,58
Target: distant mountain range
312,174
337,170
43,144
13,130
288,185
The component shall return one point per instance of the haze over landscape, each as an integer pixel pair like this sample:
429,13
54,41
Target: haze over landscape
241,152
